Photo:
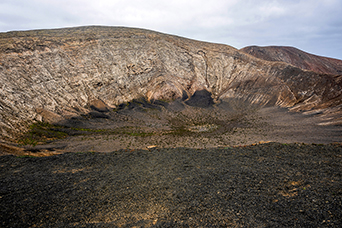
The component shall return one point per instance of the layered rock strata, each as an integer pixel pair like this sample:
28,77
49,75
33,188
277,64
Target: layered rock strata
50,75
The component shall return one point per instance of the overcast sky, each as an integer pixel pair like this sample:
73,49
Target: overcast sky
314,26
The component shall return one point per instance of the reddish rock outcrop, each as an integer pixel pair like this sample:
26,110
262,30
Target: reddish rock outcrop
296,57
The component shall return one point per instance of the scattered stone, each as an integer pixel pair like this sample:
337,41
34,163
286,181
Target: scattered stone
98,105
151,146
48,116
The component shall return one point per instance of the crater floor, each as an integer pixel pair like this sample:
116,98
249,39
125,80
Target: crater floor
140,125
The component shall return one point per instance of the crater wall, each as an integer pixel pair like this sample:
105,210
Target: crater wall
56,74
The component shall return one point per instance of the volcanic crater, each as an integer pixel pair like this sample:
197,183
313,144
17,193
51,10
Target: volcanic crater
193,134
77,82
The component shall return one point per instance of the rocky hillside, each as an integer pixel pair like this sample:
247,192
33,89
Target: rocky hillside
55,74
298,58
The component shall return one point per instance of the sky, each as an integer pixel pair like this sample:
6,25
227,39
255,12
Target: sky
314,26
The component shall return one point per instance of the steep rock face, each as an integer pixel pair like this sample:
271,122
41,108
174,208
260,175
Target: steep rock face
298,58
55,74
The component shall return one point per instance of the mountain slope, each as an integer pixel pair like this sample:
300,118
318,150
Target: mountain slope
296,57
51,75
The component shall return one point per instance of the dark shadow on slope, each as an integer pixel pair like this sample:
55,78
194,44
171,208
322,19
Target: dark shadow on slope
201,99
176,106
96,114
141,104
236,105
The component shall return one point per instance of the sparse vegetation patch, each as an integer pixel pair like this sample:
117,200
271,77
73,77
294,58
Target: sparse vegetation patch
41,132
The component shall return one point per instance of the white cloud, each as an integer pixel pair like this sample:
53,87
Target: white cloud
312,25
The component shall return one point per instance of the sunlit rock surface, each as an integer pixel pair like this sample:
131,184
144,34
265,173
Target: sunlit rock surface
51,75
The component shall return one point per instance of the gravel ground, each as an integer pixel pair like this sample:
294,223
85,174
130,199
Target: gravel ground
268,185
